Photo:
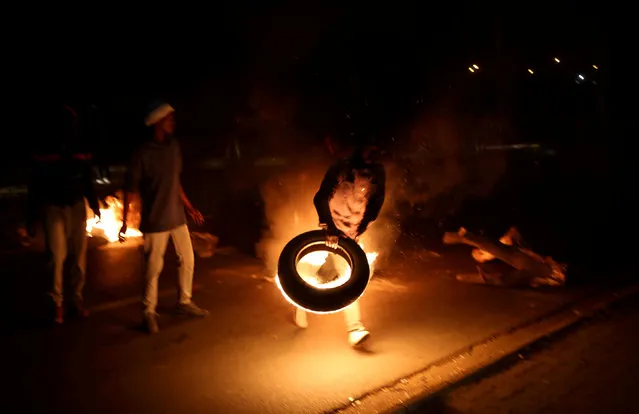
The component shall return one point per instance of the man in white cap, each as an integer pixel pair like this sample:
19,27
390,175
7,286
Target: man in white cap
155,175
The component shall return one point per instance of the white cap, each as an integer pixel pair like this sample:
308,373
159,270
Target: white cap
158,114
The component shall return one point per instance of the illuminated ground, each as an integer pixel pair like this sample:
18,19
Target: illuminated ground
590,369
248,356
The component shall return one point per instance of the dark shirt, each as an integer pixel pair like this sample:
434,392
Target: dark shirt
346,178
155,173
61,178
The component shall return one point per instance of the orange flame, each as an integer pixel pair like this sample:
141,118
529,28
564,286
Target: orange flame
110,223
314,261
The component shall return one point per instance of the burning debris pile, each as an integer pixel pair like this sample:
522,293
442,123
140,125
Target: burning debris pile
108,226
531,269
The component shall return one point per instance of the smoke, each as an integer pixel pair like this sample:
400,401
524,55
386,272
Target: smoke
435,171
289,210
441,166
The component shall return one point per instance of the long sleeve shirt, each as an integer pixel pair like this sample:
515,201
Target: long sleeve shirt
350,198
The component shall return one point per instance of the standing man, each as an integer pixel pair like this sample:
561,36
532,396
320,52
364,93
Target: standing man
349,199
61,181
155,175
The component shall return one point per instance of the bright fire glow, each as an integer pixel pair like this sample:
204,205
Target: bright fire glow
110,223
309,265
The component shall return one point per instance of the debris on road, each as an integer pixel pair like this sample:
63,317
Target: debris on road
204,244
531,269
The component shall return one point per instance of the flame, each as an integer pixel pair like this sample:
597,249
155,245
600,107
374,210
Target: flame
110,223
312,262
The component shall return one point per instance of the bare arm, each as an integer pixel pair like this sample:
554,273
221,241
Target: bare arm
185,200
193,212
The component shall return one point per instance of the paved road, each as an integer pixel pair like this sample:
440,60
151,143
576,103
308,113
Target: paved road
592,369
248,356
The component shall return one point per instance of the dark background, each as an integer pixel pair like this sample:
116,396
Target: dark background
280,77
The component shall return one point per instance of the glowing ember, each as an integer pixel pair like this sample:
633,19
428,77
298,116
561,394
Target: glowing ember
110,223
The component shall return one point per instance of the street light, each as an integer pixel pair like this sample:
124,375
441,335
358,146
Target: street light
476,67
595,67
557,60
531,71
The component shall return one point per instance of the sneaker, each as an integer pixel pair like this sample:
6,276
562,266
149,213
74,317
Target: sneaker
358,337
301,319
151,322
59,314
80,309
191,309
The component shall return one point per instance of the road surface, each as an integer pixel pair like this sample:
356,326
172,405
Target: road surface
247,356
590,369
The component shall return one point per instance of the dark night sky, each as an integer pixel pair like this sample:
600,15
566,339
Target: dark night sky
326,54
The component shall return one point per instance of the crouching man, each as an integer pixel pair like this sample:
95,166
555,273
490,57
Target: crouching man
349,199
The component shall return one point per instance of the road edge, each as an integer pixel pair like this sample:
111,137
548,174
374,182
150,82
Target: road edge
403,394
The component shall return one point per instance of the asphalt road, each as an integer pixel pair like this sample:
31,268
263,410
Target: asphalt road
590,369
247,356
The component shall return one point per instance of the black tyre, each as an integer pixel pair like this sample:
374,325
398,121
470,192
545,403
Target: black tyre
309,297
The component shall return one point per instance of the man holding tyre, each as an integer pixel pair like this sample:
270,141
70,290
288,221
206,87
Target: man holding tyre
350,197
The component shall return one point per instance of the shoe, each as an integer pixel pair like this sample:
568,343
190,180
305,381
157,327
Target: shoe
59,314
301,319
191,309
151,322
80,309
358,336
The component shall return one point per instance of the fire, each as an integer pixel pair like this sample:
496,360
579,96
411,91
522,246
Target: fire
311,263
111,222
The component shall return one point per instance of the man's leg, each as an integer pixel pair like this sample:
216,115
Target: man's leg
357,333
154,250
54,226
76,221
301,318
184,250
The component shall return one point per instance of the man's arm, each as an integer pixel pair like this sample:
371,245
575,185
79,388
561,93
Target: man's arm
193,212
323,196
34,197
376,201
89,188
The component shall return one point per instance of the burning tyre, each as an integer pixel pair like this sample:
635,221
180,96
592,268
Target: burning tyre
322,297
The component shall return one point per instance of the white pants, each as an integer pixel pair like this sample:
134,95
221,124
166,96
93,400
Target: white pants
154,249
65,232
352,316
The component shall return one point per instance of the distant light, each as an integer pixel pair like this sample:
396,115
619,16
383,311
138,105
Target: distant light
581,77
476,67
557,60
471,69
530,71
595,67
